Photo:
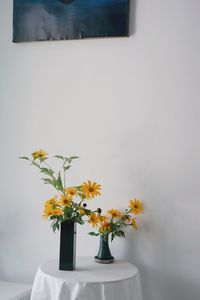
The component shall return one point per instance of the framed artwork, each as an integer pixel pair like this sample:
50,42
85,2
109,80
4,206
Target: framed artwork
40,20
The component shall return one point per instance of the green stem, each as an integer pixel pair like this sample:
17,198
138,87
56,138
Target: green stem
35,164
80,202
64,178
50,167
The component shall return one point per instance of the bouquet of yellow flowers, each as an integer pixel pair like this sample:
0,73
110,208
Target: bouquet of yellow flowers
115,221
69,204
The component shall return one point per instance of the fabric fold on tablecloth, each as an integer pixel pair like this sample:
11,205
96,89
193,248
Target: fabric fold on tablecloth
47,287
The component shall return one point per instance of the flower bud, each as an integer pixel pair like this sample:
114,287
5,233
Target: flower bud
99,210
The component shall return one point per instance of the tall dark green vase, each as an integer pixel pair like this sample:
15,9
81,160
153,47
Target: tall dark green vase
67,246
104,256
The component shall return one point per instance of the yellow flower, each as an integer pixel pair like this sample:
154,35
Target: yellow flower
90,189
71,192
105,227
103,219
40,153
82,211
65,200
133,223
115,213
51,211
53,202
93,219
136,206
51,208
47,211
57,212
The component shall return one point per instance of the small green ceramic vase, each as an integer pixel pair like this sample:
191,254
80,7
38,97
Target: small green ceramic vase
104,256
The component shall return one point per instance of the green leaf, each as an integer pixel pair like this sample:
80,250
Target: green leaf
55,226
81,222
67,168
119,233
87,211
47,171
74,157
50,181
47,180
24,157
93,233
59,185
69,159
59,156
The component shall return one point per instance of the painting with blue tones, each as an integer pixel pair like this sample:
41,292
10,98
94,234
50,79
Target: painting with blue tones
40,20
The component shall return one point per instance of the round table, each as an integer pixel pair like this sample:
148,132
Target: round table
89,281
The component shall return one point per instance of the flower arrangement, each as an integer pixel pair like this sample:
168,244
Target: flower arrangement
69,207
115,221
69,202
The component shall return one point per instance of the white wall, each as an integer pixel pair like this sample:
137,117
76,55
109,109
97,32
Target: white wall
129,107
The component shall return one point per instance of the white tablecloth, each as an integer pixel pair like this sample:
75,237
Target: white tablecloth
89,281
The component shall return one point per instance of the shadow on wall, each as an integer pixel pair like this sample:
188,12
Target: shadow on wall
164,286
157,284
132,17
